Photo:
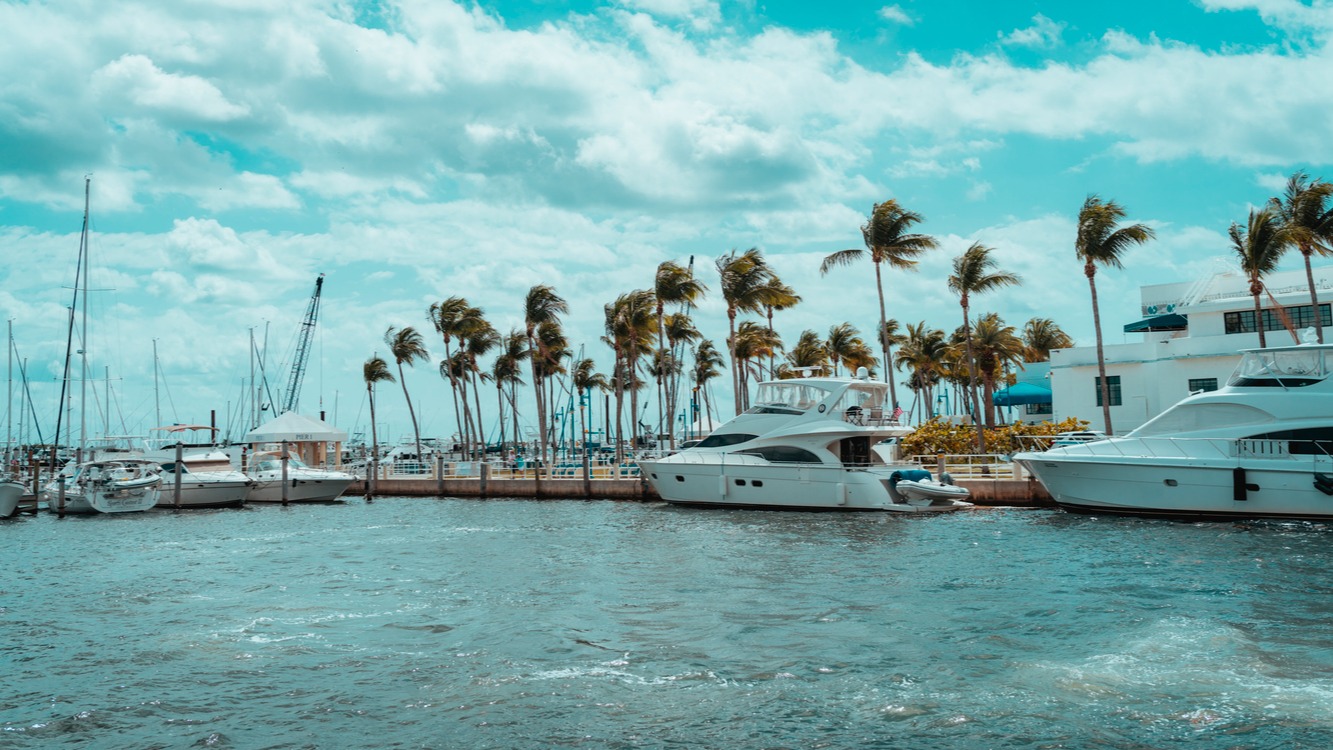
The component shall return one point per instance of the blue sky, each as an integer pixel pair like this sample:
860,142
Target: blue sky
420,149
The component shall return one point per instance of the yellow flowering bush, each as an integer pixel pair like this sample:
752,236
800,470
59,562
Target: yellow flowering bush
938,436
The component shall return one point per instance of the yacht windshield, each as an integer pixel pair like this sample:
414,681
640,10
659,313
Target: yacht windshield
863,398
1280,368
786,398
1196,417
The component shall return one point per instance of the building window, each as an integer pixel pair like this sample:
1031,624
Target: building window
1039,409
1112,389
1203,384
1299,315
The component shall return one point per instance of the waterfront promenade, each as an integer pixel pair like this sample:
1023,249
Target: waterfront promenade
998,488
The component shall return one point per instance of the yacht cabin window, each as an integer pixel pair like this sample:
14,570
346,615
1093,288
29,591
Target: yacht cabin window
862,399
721,441
783,454
786,398
1206,416
1280,368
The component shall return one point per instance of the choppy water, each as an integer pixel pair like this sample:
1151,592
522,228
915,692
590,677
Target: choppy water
519,624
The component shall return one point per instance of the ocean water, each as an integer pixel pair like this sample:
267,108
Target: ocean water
427,623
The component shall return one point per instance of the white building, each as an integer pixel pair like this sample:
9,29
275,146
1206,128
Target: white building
1192,336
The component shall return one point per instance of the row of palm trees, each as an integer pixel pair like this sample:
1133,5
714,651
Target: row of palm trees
651,334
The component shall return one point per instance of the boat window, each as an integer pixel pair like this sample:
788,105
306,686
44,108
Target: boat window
1311,441
721,441
1280,368
786,398
1194,417
783,454
862,398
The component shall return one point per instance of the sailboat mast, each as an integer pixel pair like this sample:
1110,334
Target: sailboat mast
83,336
157,402
9,400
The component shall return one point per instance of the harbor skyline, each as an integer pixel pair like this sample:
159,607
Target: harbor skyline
415,151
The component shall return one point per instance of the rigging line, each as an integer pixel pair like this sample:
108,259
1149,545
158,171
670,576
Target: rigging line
23,375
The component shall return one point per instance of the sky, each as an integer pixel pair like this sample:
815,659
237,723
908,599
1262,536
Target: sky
413,150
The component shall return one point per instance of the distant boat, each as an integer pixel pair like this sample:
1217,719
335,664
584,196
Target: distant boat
122,485
304,483
811,443
1261,447
10,495
207,478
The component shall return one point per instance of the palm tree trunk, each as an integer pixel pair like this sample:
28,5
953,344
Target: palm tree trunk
972,382
500,409
1259,319
541,411
884,339
1314,296
1101,356
476,398
416,432
731,350
453,389
373,464
662,402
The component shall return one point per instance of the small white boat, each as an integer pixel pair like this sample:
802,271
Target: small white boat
918,489
814,443
304,484
124,485
10,495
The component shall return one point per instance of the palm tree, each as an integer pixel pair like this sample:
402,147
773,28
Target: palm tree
998,346
1101,241
1308,222
375,370
744,277
541,305
1040,336
809,352
973,273
888,239
777,297
507,372
479,342
706,361
585,378
674,285
843,340
1260,247
923,354
753,341
407,347
629,323
680,331
448,318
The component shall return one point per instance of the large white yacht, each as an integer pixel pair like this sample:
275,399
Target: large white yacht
206,477
1257,448
810,443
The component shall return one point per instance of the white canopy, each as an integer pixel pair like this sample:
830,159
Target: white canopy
296,428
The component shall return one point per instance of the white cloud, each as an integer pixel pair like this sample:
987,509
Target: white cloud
896,14
1042,34
134,79
702,14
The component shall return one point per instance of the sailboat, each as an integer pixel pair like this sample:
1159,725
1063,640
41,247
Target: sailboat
113,485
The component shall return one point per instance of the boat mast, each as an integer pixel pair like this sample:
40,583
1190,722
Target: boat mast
83,334
157,402
9,400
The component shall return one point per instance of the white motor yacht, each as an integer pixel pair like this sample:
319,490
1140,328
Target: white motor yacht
304,483
808,443
1257,448
207,477
123,485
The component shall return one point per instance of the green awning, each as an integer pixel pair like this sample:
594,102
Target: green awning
1172,322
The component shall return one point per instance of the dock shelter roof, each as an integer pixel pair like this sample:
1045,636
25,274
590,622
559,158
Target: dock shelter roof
1022,393
1171,322
296,428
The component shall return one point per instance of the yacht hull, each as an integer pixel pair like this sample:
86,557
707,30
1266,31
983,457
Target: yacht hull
769,486
1186,489
198,490
10,495
302,487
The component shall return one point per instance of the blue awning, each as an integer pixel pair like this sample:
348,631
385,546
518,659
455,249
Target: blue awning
1022,393
1172,322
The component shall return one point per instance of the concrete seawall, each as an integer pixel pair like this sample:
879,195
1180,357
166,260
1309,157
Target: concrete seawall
988,492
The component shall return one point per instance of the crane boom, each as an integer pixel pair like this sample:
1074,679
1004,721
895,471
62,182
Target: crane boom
307,333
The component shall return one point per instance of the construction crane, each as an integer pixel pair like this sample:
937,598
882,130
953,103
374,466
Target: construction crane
306,334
